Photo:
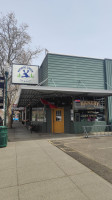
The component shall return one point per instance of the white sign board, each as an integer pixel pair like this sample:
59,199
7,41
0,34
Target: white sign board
25,74
18,109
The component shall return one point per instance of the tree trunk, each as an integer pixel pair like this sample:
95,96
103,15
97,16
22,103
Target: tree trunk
10,121
9,116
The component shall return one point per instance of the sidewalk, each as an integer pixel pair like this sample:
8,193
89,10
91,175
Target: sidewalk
33,169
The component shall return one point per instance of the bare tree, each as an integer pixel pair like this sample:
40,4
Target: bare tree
14,48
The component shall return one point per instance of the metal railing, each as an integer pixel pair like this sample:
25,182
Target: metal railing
97,130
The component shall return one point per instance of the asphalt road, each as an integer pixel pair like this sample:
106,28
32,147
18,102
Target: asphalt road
94,152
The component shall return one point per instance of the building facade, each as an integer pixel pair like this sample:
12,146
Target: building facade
86,102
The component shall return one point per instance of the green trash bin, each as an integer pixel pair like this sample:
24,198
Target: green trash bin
3,136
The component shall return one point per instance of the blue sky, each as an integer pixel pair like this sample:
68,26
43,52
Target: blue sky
73,27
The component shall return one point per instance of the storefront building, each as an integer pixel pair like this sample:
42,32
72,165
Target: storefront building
73,92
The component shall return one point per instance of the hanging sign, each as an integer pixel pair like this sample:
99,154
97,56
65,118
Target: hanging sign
25,74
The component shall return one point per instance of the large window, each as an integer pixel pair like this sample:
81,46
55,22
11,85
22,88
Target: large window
38,114
89,109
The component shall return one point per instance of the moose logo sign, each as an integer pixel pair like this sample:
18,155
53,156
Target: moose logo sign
24,74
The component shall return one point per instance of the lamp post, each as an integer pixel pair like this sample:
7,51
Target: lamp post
5,113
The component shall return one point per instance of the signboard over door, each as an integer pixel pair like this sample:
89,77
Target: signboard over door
25,74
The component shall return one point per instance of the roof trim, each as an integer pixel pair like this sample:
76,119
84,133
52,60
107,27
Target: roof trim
59,54
66,89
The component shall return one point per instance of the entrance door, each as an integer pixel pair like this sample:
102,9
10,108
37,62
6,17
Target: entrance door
58,120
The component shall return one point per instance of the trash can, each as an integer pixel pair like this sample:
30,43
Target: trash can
3,136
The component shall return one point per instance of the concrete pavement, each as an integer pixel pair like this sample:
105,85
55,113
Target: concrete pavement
33,169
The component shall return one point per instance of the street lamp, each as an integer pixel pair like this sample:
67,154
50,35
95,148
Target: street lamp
5,107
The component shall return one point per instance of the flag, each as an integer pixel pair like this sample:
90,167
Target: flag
43,101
